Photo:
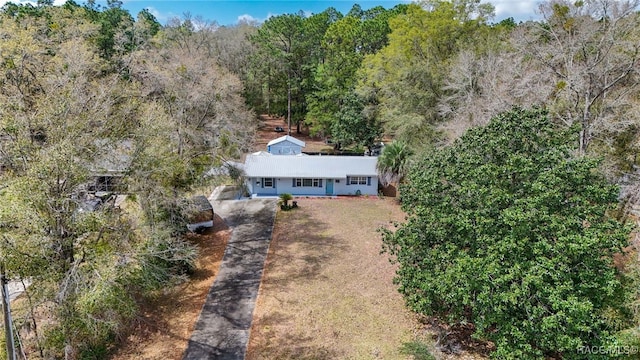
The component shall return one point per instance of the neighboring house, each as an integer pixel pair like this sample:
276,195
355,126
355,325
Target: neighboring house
269,175
285,145
110,165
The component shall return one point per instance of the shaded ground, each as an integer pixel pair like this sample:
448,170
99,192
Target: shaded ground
266,133
163,329
327,292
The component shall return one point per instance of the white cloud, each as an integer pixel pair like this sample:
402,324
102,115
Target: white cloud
251,19
248,19
519,10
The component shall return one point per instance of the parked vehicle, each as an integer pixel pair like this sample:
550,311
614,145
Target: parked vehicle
199,214
375,149
279,129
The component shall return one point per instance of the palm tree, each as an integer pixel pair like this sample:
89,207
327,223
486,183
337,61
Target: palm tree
284,200
393,162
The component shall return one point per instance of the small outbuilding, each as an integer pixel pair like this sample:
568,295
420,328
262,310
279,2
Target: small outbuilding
285,145
109,166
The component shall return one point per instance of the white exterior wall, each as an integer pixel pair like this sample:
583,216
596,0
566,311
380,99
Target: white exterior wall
255,187
342,188
285,185
284,148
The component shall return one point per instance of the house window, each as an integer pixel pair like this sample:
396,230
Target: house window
267,182
308,182
358,180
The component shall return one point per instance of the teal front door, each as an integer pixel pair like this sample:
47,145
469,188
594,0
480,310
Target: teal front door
329,187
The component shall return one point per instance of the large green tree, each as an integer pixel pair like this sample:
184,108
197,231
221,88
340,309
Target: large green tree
406,76
280,39
508,230
345,44
335,76
354,124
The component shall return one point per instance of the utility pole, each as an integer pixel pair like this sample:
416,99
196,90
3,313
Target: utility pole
6,309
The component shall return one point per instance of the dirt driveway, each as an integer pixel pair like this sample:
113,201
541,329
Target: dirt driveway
222,330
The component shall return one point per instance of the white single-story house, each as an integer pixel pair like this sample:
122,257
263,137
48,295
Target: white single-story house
285,145
269,175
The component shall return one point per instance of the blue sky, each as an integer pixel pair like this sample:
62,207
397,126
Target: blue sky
229,12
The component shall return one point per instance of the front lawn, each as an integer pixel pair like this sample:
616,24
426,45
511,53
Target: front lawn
327,292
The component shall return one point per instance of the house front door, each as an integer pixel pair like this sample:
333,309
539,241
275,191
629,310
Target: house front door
329,187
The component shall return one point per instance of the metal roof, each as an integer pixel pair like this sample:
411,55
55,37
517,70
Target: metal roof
286,138
295,166
111,157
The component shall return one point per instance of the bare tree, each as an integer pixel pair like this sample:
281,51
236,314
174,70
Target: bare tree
203,100
481,85
231,46
591,49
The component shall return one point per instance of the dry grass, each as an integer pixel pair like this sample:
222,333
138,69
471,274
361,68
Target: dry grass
327,291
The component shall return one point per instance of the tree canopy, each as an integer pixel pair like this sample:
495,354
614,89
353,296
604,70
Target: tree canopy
510,231
393,163
88,94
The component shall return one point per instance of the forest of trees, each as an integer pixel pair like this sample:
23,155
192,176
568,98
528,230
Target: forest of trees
81,83
423,73
81,86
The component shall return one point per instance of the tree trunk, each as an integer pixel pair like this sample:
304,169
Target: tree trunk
289,103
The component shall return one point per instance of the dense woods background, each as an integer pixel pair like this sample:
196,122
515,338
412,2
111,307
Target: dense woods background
82,83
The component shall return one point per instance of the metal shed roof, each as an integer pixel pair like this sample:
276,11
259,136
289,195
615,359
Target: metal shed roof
295,166
286,138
